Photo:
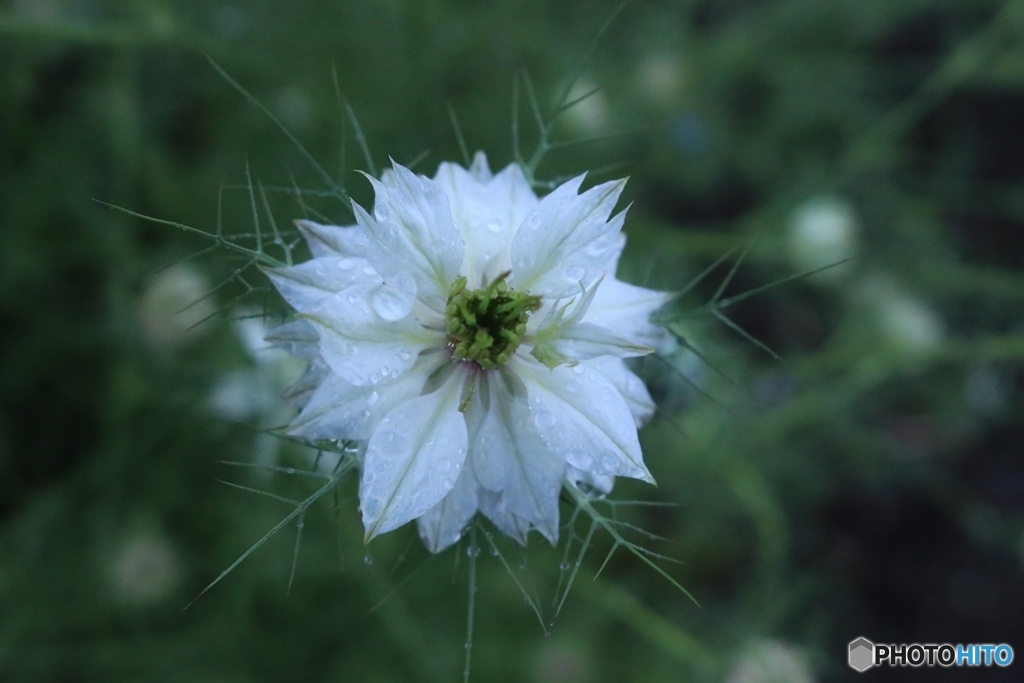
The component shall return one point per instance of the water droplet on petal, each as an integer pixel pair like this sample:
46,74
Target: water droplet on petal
494,225
367,560
374,378
544,419
405,354
346,264
372,398
392,303
472,551
574,273
578,369
382,212
564,566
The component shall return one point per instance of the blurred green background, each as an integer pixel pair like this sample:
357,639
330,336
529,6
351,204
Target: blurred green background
869,484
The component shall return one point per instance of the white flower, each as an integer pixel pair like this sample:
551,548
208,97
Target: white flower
471,335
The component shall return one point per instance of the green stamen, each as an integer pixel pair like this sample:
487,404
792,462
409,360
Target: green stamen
487,325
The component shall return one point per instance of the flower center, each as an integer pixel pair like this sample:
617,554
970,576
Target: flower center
486,325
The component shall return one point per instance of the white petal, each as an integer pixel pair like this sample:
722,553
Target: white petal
442,525
492,505
413,458
582,341
298,337
566,239
360,345
627,309
412,231
480,169
341,410
333,240
302,391
581,417
602,484
508,457
629,386
307,284
487,209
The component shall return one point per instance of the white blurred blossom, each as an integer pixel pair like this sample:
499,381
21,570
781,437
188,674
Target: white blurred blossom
770,661
253,394
823,232
590,113
471,336
174,305
906,323
144,569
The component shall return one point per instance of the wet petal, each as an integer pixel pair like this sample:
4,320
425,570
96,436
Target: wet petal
361,346
629,386
581,417
412,231
333,240
566,240
298,337
508,457
487,209
627,309
442,525
414,458
341,410
307,284
582,341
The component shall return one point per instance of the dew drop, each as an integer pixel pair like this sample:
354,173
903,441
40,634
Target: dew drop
346,264
564,566
494,551
572,387
374,378
372,398
351,298
405,354
473,550
367,560
494,225
534,222
544,419
578,369
382,212
574,273
438,247
393,302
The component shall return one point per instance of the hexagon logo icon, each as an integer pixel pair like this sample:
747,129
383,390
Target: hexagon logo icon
862,654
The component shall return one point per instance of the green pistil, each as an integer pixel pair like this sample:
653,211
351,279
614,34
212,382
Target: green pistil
486,325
